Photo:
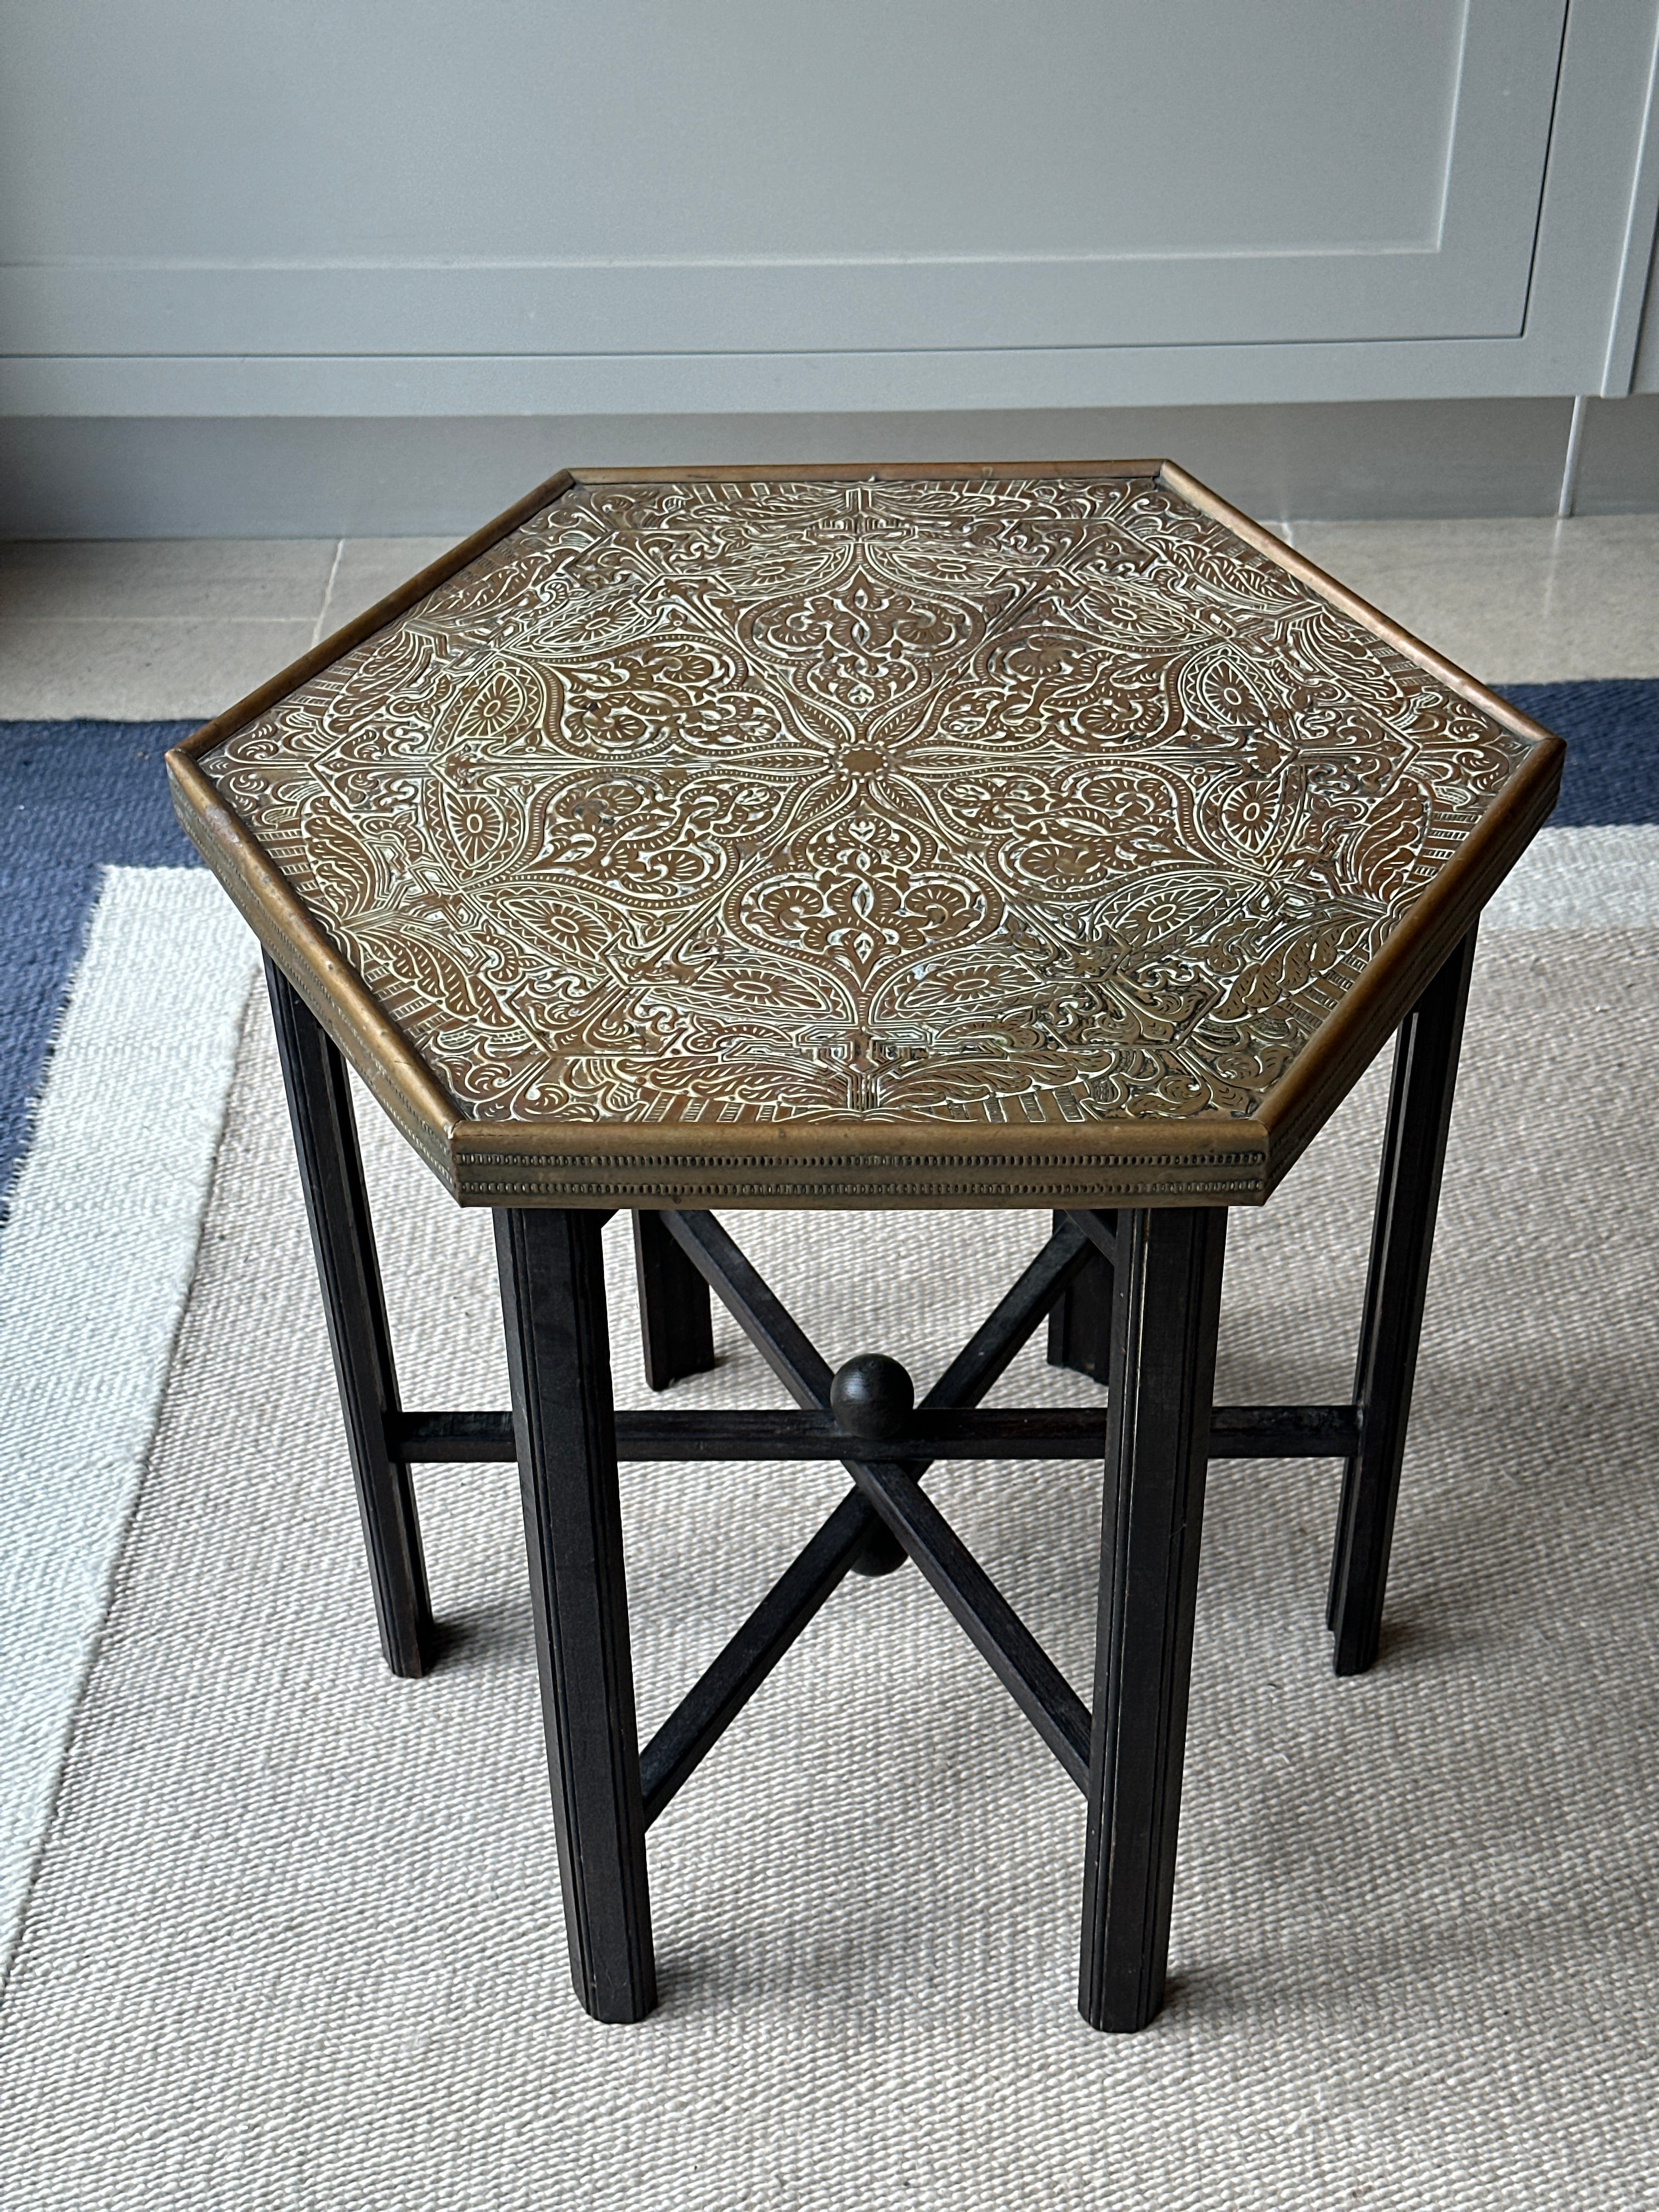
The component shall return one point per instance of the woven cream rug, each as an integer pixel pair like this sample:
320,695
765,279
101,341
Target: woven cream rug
295,1939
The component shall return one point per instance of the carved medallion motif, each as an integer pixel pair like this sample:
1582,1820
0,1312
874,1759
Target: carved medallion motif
1044,800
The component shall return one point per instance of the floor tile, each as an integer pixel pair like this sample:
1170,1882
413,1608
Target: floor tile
369,567
183,579
1517,601
141,672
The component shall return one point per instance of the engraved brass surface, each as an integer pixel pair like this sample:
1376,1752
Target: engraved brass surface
1039,801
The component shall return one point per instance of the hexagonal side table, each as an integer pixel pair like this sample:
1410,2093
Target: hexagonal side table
955,836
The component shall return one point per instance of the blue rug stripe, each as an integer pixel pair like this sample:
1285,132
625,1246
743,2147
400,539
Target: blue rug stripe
1612,730
74,797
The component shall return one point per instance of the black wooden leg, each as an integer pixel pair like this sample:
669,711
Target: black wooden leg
1166,1306
343,1238
558,1353
1402,1239
676,1326
1080,1320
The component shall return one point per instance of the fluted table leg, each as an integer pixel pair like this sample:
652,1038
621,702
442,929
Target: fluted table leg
1402,1243
558,1348
347,1269
1166,1306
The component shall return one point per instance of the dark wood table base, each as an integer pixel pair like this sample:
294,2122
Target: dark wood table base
1131,1298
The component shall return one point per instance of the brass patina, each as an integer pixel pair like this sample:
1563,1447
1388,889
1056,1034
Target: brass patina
978,836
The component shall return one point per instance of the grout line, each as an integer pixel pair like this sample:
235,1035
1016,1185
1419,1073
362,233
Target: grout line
328,592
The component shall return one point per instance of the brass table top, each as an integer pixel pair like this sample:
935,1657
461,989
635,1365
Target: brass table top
876,836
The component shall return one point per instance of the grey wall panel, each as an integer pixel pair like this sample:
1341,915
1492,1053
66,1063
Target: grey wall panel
69,478
647,176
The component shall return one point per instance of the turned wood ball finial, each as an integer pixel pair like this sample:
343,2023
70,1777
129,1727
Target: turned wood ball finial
871,1396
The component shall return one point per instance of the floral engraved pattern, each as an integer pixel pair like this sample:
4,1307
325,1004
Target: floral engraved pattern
1029,801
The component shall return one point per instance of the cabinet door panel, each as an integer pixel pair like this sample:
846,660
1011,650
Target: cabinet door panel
743,175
